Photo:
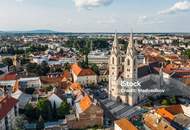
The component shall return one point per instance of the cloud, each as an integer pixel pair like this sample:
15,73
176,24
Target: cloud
89,4
177,7
19,0
149,20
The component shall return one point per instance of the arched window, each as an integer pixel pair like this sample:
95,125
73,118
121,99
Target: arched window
128,62
112,60
134,62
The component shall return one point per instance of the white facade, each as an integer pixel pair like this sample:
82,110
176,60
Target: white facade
33,82
54,98
117,72
84,80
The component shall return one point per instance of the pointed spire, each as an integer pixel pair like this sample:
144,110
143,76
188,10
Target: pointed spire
115,42
131,40
115,46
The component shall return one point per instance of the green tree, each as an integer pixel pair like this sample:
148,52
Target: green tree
63,109
19,123
54,110
95,68
30,112
165,102
44,68
173,100
67,66
40,124
44,109
7,61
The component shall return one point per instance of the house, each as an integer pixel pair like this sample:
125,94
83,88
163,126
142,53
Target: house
32,82
154,122
23,98
177,115
124,124
87,114
8,112
53,98
3,68
83,76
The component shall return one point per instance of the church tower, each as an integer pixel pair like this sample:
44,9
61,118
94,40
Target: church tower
130,70
115,67
130,66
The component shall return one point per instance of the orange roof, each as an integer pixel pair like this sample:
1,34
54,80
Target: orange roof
81,72
75,86
125,124
76,69
9,76
66,74
85,103
166,114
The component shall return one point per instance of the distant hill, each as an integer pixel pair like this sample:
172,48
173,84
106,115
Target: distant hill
31,31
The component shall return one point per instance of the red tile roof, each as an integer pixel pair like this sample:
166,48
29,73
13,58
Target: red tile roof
125,124
85,103
81,72
165,114
9,76
6,104
75,86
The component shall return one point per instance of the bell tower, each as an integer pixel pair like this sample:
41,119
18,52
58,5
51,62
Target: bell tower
130,70
130,66
115,67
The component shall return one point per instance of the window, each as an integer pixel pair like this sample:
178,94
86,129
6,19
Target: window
128,62
134,61
112,60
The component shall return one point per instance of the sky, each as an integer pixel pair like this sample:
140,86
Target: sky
95,15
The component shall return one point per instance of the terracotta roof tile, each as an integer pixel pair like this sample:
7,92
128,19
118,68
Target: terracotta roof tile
85,103
9,76
165,114
125,124
81,72
75,86
6,104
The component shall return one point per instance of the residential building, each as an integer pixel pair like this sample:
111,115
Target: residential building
8,112
83,76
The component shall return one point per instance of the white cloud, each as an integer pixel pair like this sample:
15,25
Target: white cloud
89,4
149,20
19,0
177,7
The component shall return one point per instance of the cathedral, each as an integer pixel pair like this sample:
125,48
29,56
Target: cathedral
124,67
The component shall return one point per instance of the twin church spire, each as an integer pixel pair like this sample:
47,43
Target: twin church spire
130,48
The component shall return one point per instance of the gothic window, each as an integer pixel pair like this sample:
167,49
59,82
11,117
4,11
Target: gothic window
134,61
112,60
128,62
123,59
